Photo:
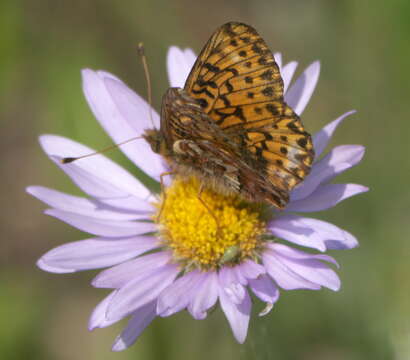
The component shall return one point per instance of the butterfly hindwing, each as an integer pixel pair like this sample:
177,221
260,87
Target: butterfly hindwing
283,149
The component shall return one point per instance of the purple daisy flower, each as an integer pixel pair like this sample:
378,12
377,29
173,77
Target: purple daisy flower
160,267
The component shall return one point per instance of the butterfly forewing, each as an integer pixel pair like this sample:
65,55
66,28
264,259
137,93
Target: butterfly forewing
234,69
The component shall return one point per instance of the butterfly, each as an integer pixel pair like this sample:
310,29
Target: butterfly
230,126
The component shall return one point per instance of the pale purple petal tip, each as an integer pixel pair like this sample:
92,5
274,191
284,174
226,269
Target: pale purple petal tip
99,227
338,160
278,59
322,138
265,289
287,251
287,74
299,269
237,314
52,269
203,296
311,233
301,91
232,283
179,64
250,270
96,253
97,318
136,325
190,57
326,197
284,275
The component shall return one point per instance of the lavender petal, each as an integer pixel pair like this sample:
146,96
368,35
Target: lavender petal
178,295
237,314
265,289
136,111
104,228
82,206
278,59
334,163
140,319
308,266
97,318
179,65
141,291
96,253
228,277
250,270
204,296
322,137
118,120
311,233
326,197
287,73
118,276
284,275
95,175
301,91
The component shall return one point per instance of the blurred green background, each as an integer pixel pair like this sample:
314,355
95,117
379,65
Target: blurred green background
364,49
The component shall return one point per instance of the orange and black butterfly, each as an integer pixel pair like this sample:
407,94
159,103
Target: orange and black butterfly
230,126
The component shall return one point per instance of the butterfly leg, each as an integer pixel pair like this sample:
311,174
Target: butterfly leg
164,194
218,227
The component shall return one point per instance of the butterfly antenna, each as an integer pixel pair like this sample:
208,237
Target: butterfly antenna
68,160
141,53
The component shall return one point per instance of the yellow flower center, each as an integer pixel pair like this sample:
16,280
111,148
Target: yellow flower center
208,230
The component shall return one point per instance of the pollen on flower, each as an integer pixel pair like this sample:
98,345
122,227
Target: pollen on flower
209,230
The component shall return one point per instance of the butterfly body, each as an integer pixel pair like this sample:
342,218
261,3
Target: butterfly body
230,125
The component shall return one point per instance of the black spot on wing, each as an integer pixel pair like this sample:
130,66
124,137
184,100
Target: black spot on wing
239,113
302,142
205,91
257,49
202,102
233,71
268,91
212,68
262,61
245,39
229,86
267,75
272,109
248,80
